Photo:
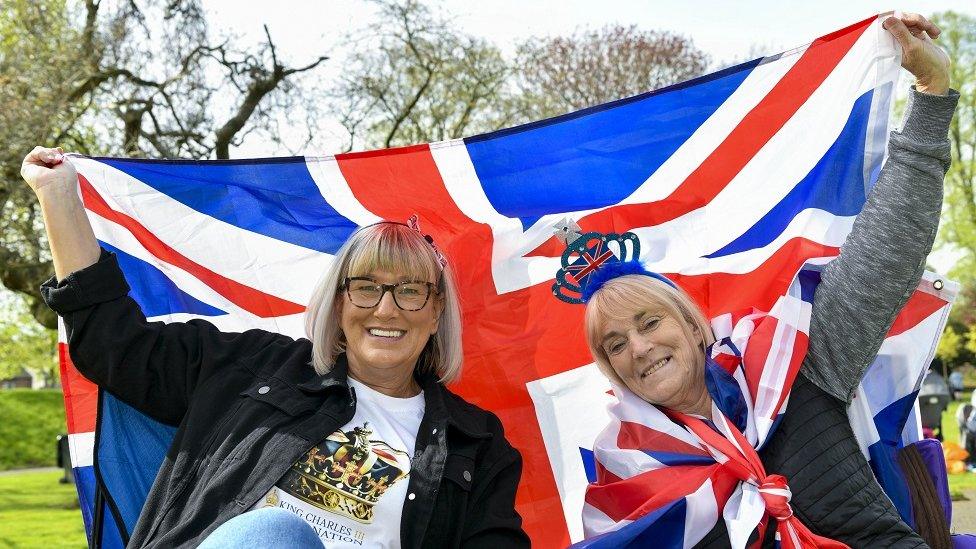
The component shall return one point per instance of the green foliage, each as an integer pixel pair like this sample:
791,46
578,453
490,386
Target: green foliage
40,60
27,344
958,228
37,511
949,344
91,77
971,339
958,348
31,422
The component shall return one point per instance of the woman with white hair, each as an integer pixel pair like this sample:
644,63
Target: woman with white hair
686,443
348,438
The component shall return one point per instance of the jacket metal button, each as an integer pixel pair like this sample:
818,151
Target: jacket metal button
434,432
466,475
411,496
264,390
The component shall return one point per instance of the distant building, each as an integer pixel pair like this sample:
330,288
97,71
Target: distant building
25,380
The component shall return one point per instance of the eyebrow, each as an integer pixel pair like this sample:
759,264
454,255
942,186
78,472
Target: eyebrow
611,335
404,278
636,318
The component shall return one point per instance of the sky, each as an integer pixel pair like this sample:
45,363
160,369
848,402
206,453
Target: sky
726,30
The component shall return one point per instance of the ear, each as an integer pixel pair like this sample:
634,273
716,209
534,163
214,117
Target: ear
438,305
337,304
696,333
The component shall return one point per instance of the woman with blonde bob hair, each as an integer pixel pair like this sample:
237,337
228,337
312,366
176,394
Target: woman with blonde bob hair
347,438
396,248
755,445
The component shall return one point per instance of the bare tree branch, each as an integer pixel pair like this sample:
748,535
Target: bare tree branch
99,84
263,82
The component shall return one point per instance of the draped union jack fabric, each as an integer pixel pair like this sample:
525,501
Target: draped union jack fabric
649,460
731,181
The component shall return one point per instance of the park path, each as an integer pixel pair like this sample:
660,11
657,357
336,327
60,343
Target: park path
32,470
964,514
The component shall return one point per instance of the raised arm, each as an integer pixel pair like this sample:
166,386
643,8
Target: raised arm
152,366
69,233
882,260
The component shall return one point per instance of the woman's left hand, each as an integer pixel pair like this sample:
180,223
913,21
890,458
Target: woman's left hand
920,55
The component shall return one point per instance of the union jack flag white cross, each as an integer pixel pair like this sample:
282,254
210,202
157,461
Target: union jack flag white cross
731,182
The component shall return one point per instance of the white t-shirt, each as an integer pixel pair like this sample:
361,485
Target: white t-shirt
351,486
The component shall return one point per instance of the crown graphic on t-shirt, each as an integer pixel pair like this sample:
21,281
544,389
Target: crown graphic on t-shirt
348,473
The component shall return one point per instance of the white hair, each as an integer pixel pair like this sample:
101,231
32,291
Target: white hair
397,248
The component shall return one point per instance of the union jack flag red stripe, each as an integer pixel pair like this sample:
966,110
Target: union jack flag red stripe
708,174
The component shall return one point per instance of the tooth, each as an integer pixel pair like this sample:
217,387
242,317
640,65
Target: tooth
385,333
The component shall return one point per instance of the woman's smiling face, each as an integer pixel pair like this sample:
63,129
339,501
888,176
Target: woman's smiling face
386,337
658,356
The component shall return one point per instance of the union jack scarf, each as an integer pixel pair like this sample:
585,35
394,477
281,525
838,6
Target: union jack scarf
662,472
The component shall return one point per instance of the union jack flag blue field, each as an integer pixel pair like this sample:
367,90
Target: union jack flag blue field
731,181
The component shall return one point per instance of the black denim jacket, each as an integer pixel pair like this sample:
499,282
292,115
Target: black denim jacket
248,405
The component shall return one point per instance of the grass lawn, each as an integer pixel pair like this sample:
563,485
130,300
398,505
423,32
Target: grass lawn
950,431
962,482
37,511
31,421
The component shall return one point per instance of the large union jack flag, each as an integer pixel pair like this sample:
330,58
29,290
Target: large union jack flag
731,181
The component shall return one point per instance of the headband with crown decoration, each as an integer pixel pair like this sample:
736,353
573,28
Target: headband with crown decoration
414,223
592,259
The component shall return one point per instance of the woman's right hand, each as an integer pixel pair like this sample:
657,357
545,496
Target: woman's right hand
46,168
920,55
69,233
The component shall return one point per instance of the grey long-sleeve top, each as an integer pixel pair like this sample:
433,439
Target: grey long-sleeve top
882,260
834,490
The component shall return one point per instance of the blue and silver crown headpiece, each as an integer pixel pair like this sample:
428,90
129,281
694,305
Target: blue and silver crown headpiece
591,259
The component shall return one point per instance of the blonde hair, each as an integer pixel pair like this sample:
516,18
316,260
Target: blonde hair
625,296
392,247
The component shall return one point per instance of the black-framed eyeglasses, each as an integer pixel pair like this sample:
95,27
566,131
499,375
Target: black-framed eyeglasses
409,295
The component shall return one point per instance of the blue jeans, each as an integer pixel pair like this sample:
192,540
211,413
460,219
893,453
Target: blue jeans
265,527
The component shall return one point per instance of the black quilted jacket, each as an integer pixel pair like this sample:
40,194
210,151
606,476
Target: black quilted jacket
834,490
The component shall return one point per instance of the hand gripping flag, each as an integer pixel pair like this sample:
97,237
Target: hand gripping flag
710,174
